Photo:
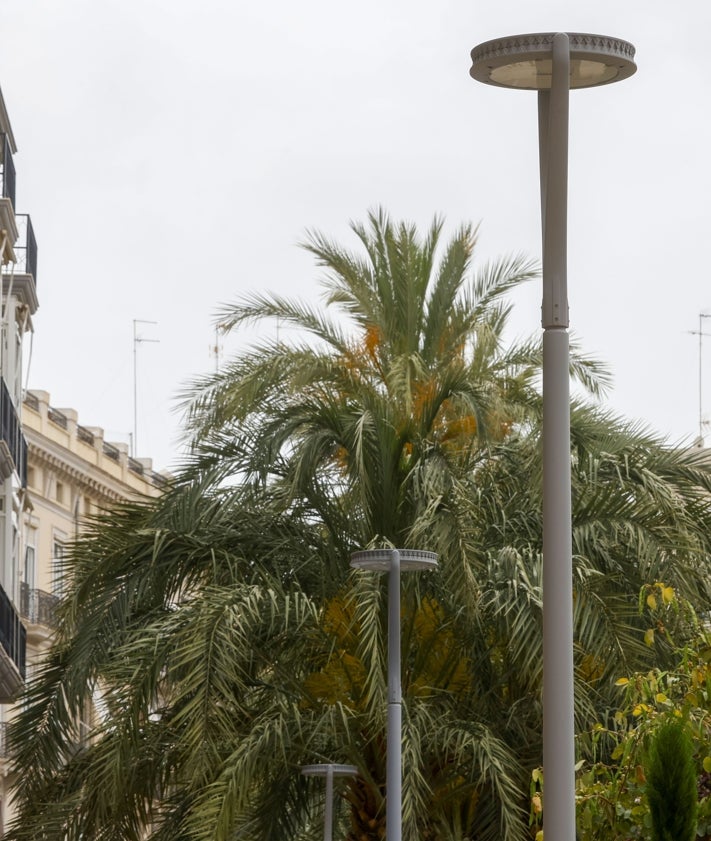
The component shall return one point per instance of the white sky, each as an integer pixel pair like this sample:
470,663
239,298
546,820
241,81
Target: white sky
171,155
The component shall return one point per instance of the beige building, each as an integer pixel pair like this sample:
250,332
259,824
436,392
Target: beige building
72,472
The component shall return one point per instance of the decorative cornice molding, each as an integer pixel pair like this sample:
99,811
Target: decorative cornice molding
40,455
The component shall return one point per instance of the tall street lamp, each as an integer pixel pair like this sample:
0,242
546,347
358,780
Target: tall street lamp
394,561
329,770
552,63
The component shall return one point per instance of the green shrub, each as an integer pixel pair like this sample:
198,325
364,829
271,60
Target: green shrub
671,783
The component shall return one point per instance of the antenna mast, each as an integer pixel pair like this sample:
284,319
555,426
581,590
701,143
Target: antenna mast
136,340
700,333
216,349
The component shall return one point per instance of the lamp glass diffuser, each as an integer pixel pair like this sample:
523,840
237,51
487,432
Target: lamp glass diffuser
379,560
322,769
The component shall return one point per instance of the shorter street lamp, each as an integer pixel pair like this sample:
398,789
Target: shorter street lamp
329,771
393,561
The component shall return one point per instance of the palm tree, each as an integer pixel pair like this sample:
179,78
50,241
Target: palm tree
421,374
222,637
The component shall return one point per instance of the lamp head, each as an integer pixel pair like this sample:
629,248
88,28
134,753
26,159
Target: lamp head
323,769
526,61
380,560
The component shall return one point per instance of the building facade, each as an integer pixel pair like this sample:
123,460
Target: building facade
71,473
18,262
54,472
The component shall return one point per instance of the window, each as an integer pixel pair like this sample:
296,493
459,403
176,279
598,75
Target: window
57,566
28,575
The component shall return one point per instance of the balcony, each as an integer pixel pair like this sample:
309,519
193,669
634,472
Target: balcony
37,607
13,643
25,247
8,170
8,224
19,271
13,446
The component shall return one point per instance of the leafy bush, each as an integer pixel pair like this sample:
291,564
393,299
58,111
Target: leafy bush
671,783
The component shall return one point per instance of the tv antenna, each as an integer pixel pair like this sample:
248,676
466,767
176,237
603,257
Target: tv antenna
700,333
217,348
136,341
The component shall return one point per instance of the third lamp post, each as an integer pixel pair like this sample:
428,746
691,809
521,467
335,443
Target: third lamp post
394,561
329,770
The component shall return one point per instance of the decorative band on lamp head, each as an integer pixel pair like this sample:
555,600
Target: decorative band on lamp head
525,61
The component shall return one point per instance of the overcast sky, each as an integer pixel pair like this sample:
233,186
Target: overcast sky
171,155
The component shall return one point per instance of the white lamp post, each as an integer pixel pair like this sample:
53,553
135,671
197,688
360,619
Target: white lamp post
394,561
329,770
552,63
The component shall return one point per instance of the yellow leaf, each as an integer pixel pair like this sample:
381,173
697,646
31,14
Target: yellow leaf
707,764
649,637
652,601
639,709
667,595
537,775
622,681
660,698
539,835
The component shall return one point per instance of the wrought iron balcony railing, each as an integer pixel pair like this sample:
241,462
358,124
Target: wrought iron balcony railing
11,433
38,607
25,247
8,170
13,636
